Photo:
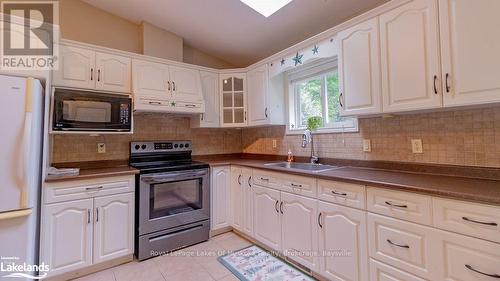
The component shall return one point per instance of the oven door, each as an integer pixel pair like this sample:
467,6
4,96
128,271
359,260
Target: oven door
173,199
76,110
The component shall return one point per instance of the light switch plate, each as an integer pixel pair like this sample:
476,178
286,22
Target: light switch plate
101,147
275,144
416,146
367,145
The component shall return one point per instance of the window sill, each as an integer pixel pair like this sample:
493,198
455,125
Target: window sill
324,131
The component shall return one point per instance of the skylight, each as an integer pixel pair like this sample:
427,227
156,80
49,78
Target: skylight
266,7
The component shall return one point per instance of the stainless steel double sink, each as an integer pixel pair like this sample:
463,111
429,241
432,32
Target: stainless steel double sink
314,168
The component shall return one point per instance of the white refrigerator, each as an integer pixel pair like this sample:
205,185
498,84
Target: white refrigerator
21,137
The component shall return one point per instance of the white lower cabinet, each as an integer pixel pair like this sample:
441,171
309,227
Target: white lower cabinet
219,197
343,242
88,230
67,236
299,229
267,227
236,194
383,272
246,182
114,227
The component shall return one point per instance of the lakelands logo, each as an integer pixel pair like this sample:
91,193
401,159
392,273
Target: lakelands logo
29,35
14,269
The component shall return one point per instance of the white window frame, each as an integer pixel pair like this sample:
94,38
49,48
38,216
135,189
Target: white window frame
309,72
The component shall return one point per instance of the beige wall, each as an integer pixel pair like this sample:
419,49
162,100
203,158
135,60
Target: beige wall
157,42
82,22
462,137
197,57
85,23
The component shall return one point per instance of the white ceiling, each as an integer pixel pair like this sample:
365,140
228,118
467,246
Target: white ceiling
232,31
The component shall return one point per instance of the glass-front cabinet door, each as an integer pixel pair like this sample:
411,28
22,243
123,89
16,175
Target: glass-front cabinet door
233,100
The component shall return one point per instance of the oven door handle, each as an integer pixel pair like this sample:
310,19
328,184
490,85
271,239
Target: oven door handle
173,176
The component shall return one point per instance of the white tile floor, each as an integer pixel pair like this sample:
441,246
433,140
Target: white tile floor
195,263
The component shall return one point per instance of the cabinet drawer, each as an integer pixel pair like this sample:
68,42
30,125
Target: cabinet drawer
299,185
402,205
352,195
468,259
405,245
472,219
266,179
81,189
383,272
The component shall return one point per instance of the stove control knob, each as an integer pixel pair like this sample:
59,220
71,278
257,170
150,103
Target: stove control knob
176,145
182,145
137,147
143,146
186,145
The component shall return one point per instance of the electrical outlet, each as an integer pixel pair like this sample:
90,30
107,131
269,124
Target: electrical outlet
416,146
367,145
101,147
275,144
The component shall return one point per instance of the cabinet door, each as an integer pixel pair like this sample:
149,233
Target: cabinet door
236,198
233,100
300,229
409,43
186,84
258,110
210,89
359,69
247,201
76,68
219,194
151,80
67,235
343,242
114,227
470,40
114,73
267,218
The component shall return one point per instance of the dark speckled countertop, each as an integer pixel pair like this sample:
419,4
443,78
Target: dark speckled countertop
465,188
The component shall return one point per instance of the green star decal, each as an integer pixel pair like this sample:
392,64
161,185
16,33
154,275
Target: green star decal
298,59
315,50
172,103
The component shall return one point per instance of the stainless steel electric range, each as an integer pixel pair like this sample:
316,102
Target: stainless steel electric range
172,197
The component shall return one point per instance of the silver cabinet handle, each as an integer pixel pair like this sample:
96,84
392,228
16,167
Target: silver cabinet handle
155,103
173,86
396,205
296,185
340,100
190,105
97,215
239,179
339,193
447,78
435,86
250,181
91,74
265,112
276,206
264,179
202,116
94,188
98,75
479,222
397,245
469,267
168,83
281,207
319,220
88,216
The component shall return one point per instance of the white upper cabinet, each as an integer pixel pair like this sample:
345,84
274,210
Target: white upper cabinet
210,90
359,69
186,84
88,69
409,46
258,110
114,73
114,227
76,68
470,42
151,79
233,100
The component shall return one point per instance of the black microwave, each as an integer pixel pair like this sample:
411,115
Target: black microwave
77,110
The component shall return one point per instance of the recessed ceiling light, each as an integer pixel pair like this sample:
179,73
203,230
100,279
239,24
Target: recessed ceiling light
266,7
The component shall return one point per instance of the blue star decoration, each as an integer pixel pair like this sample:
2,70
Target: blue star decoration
315,50
298,59
282,62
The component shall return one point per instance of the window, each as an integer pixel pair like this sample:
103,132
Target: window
315,92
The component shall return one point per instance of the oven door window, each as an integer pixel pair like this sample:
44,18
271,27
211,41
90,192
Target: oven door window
171,198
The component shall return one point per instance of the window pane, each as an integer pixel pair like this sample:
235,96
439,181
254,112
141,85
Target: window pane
332,97
309,97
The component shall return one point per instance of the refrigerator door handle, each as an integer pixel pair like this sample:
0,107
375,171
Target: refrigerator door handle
26,142
15,214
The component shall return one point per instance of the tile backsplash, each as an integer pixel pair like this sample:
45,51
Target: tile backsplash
74,148
460,137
